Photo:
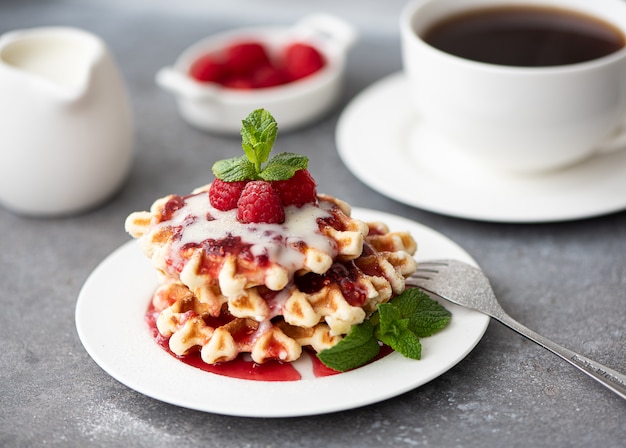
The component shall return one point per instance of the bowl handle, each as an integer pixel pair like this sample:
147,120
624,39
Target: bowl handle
177,82
327,27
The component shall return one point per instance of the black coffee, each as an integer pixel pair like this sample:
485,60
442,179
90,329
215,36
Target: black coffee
525,36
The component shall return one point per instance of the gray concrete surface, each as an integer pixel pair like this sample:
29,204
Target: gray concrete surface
565,280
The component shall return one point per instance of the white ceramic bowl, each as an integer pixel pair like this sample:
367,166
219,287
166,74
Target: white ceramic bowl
214,108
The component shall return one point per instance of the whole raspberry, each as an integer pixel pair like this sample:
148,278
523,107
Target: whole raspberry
259,202
301,60
244,57
224,195
207,69
267,76
298,190
238,82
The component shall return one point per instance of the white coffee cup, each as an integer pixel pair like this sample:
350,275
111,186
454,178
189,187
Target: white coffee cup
517,119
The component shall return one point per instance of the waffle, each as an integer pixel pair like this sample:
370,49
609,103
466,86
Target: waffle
173,234
266,289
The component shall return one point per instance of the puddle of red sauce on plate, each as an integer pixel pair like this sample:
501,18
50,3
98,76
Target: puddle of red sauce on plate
238,368
243,368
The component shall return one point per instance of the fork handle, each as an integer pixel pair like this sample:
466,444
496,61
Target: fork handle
610,378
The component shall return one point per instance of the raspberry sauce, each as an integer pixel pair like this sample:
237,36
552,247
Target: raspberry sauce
238,368
344,274
246,369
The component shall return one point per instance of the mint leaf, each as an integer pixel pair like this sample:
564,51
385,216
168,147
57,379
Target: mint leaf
426,316
394,330
235,169
409,345
296,161
357,348
258,133
388,314
283,166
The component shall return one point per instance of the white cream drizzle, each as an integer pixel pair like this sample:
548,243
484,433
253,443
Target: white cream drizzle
276,241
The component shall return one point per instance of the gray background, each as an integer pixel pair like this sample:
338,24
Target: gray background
565,280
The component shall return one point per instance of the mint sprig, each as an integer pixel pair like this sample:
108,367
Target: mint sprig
357,348
394,330
258,134
426,316
399,324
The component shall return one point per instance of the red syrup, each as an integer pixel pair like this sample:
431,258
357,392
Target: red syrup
320,369
245,369
242,368
238,368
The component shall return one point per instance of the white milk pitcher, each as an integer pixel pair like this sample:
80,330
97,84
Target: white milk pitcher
65,122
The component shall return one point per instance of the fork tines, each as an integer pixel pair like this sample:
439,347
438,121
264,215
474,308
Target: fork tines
426,268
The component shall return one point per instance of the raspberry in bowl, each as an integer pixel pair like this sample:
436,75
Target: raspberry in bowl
297,72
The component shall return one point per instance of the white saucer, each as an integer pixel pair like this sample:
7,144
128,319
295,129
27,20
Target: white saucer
381,140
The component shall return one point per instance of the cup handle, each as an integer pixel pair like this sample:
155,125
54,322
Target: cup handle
327,27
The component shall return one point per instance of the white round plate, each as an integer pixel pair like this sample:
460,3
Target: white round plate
382,141
110,322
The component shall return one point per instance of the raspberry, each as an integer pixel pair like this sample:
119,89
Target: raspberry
207,69
242,58
298,190
224,195
238,82
259,202
267,76
302,60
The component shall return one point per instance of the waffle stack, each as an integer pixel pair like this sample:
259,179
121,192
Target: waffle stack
266,289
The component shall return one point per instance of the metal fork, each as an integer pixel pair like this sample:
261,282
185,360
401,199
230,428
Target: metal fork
467,286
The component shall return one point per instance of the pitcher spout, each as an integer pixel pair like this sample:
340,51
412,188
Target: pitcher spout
55,61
